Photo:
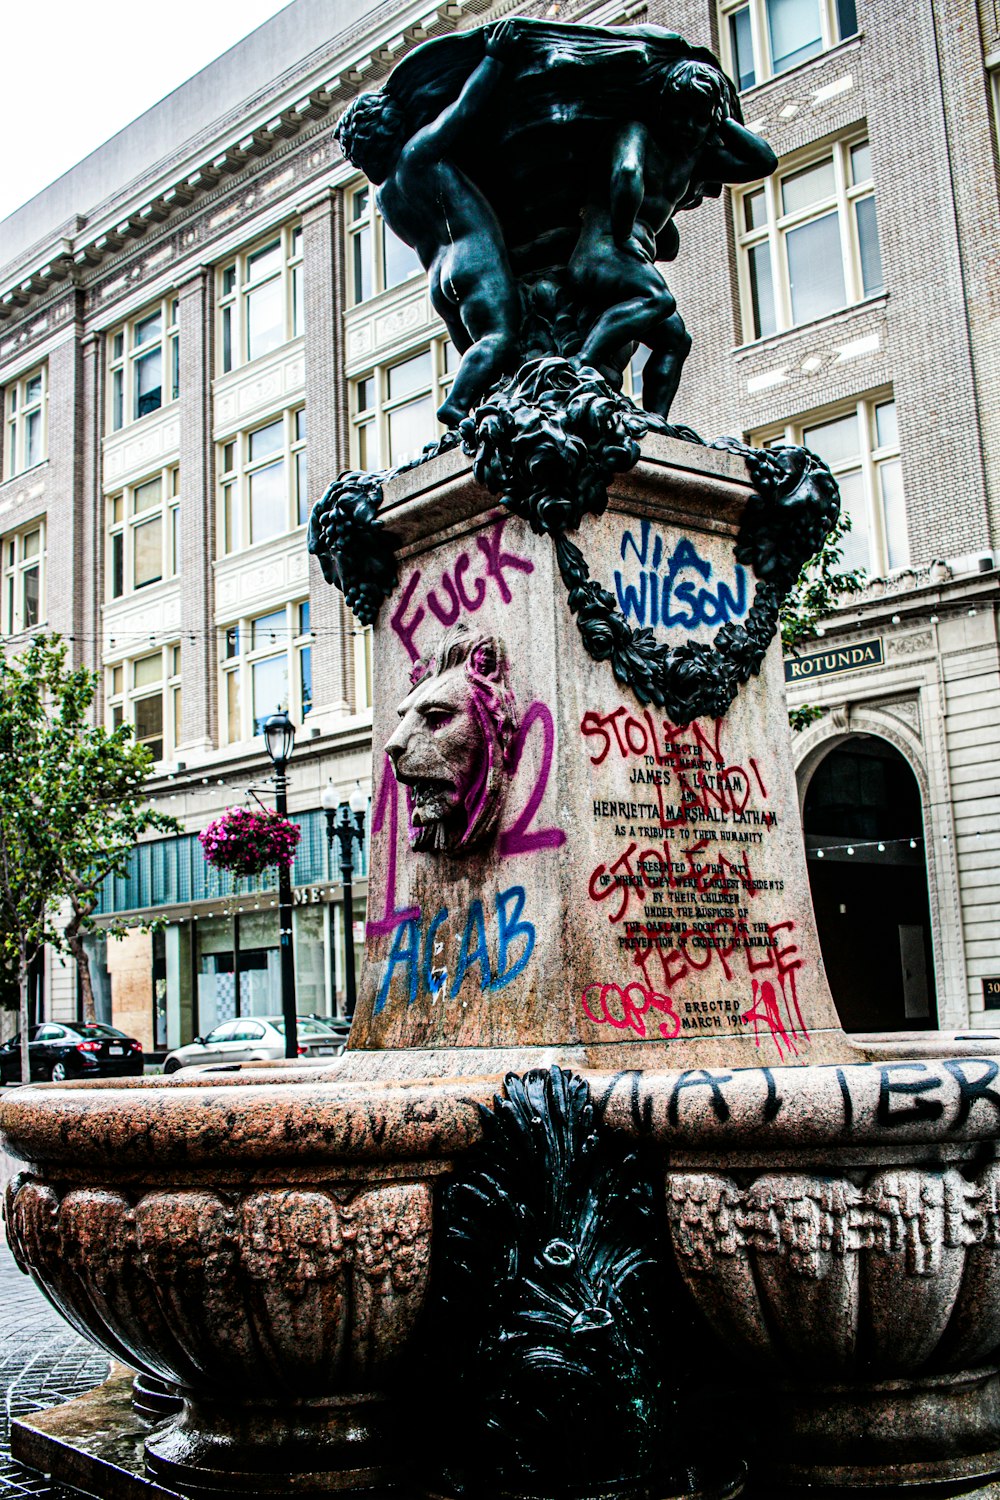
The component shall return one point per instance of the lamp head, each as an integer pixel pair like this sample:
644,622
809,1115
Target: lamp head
279,737
357,801
328,798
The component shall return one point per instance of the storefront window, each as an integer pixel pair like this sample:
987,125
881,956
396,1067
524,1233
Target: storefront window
311,963
253,937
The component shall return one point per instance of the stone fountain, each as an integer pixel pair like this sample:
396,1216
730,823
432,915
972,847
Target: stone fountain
601,1201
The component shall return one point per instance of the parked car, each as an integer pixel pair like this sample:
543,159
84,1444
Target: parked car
256,1039
60,1051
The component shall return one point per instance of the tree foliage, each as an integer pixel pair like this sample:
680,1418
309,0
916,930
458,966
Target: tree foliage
820,588
72,807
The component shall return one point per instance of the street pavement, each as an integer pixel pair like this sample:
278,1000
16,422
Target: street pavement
43,1362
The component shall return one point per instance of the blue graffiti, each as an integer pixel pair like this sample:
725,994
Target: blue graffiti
664,597
413,951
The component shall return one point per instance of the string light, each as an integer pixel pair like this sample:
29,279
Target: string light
860,846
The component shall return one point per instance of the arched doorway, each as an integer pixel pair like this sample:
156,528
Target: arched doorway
864,838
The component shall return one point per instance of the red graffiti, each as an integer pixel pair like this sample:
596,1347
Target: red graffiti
637,736
726,943
656,869
765,1013
626,1007
689,762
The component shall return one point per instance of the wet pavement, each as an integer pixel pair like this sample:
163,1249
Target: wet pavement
43,1362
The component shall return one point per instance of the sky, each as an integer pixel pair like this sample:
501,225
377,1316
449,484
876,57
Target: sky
91,66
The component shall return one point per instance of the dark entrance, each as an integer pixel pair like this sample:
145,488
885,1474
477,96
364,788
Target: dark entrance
867,870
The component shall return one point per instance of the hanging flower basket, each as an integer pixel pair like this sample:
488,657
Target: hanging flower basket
247,841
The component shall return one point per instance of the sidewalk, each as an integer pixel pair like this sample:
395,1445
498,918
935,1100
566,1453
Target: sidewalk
43,1362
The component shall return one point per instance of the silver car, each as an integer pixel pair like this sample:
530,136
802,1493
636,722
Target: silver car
256,1039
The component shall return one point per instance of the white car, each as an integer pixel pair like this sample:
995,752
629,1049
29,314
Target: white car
256,1039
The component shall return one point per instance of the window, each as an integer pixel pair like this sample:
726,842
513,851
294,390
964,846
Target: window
143,364
376,258
145,691
266,666
808,241
861,445
263,482
393,407
25,442
247,1031
363,642
765,37
23,579
260,296
143,533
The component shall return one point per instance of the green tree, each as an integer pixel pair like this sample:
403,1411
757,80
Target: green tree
816,594
72,807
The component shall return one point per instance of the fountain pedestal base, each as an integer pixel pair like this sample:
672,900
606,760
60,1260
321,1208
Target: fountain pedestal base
99,1444
95,1444
340,1445
918,1433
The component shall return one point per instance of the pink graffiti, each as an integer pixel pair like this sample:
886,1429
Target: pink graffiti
388,801
452,596
520,837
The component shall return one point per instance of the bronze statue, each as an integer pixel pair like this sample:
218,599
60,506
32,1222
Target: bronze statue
542,190
535,164
434,207
612,271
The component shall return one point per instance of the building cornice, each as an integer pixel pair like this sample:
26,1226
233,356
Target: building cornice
238,140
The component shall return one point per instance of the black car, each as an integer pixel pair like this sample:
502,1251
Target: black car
59,1051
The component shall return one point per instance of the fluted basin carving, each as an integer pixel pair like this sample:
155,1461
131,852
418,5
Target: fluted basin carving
823,1276
278,1293
314,1290
838,1228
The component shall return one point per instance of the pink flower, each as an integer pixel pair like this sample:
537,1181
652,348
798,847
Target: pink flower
248,842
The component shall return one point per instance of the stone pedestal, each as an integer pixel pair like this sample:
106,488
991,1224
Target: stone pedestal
559,876
555,866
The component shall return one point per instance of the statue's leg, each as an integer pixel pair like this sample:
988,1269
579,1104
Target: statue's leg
448,312
635,320
670,346
490,313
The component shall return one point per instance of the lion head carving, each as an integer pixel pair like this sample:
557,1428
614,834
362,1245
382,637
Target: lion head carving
454,746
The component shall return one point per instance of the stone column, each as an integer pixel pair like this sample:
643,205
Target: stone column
199,701
90,592
326,406
63,499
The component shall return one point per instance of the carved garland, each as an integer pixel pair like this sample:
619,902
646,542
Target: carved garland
548,443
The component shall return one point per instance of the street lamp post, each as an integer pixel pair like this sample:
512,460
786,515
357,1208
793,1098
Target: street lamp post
345,822
279,737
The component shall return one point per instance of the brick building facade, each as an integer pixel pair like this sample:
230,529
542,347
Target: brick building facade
206,320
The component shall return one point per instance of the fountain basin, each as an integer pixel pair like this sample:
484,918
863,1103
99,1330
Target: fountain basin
264,1251
263,1243
838,1228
